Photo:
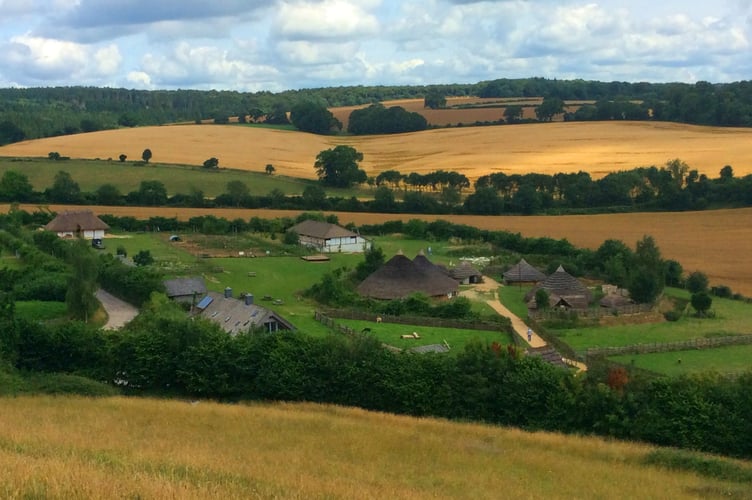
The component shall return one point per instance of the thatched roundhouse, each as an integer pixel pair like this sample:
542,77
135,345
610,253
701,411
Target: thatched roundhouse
466,274
564,290
400,277
522,272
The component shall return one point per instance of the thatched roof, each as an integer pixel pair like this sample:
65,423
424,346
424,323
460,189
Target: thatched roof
84,220
400,277
464,270
321,230
564,286
182,287
523,272
615,300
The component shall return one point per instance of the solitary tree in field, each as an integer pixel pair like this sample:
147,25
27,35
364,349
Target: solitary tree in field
338,167
269,169
697,282
513,113
701,301
211,163
122,158
146,155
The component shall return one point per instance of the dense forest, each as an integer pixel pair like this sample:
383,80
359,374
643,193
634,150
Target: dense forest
44,112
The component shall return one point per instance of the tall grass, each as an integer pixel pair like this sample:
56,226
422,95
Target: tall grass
134,448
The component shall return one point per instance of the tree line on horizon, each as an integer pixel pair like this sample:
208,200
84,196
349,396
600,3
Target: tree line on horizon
32,113
672,187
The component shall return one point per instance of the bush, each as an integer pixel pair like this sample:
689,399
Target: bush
672,315
61,383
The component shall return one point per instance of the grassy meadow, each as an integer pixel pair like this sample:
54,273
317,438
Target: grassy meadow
71,447
730,359
594,147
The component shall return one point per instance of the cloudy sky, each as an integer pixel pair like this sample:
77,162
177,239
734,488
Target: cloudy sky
252,45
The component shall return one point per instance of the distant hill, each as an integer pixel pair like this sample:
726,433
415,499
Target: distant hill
594,147
70,447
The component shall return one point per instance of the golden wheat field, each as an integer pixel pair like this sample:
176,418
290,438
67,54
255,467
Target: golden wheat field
75,448
595,147
715,242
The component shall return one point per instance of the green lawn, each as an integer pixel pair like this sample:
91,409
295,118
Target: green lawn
730,359
389,333
10,261
90,174
513,297
732,318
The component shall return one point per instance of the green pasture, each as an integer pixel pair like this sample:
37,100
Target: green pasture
10,261
390,333
732,317
729,359
127,177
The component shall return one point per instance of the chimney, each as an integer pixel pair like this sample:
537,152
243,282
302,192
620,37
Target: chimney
228,292
249,299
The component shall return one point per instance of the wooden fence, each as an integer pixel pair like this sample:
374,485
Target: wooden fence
418,320
684,345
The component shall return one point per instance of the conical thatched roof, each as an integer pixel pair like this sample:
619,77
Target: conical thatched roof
565,286
464,270
523,272
400,277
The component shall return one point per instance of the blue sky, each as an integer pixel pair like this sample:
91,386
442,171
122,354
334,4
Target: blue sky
274,45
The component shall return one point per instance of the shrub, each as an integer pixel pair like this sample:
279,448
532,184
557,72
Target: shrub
672,315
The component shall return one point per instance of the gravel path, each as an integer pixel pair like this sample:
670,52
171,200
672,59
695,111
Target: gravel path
519,326
118,312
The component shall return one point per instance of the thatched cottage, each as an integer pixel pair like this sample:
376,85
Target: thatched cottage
400,277
522,272
564,290
78,224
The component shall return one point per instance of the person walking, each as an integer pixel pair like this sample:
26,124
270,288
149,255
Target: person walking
529,334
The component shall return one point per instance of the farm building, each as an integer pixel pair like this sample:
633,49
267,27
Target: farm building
522,272
400,277
79,224
564,290
466,274
326,237
185,289
239,315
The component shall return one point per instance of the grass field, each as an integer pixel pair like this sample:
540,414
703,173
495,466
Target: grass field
37,310
594,147
731,359
68,447
127,177
698,240
732,318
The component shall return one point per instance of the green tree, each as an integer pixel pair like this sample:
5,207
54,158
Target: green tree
269,169
15,186
143,258
10,132
373,259
701,301
647,272
310,116
434,99
338,167
697,282
278,115
513,113
237,191
64,189
484,201
152,193
542,299
82,284
109,194
290,238
314,198
383,200
550,107
122,158
146,155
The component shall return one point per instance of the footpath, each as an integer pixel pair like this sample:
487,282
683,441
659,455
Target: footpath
519,326
118,311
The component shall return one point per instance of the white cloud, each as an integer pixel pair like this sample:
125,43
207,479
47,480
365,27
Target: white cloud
108,60
304,20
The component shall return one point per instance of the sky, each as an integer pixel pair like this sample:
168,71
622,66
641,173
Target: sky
276,45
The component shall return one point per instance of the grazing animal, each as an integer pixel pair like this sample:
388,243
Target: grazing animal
378,319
